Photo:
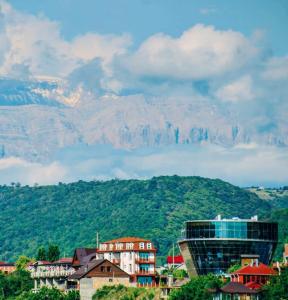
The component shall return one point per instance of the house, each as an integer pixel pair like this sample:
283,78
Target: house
176,262
7,268
135,256
82,256
97,273
52,274
253,276
236,291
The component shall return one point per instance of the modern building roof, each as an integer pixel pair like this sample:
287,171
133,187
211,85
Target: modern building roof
237,288
261,269
177,259
128,239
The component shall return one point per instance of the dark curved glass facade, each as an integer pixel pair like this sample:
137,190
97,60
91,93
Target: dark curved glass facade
213,246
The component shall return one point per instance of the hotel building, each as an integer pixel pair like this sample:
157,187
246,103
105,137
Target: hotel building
136,256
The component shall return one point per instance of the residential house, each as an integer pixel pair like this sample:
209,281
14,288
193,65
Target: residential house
7,268
52,274
96,274
253,276
236,291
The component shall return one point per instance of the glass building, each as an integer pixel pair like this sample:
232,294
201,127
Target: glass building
212,246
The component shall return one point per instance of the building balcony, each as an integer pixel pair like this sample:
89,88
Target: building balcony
52,274
152,285
142,260
145,272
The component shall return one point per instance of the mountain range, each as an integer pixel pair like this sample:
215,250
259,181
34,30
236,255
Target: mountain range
40,116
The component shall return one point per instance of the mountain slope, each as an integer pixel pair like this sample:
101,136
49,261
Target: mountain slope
71,214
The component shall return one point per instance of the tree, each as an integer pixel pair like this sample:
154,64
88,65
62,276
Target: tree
180,274
41,255
196,289
22,262
53,252
49,294
15,284
277,288
234,268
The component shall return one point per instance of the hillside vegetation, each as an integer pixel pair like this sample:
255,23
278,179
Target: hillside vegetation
71,214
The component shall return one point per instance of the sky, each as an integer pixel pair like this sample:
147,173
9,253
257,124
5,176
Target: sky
142,18
233,54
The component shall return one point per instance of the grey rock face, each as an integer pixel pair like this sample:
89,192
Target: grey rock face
38,119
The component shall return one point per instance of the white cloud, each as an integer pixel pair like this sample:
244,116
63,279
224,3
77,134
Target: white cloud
14,169
36,42
244,166
238,90
276,69
200,52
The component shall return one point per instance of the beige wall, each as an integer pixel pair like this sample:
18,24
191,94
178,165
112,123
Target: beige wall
88,286
101,281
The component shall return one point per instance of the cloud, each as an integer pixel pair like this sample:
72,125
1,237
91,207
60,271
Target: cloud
238,90
244,166
14,169
36,42
200,52
208,10
276,69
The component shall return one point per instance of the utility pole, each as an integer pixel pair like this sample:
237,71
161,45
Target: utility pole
97,240
173,255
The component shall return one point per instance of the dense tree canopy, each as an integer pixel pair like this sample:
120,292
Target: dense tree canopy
14,284
69,215
197,288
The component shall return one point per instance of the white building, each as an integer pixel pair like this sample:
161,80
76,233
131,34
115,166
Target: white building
135,256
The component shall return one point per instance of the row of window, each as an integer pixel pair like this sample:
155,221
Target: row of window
240,230
124,246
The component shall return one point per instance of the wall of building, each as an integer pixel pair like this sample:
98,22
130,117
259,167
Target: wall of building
88,286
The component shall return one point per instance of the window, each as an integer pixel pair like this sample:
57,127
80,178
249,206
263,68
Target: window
102,268
111,246
130,268
129,246
119,246
109,269
103,246
149,246
110,279
141,245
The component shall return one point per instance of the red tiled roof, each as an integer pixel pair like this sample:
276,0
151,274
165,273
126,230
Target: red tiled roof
177,259
237,288
261,269
64,260
128,239
253,285
2,263
43,262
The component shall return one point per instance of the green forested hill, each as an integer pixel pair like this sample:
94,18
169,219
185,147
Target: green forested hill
71,214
